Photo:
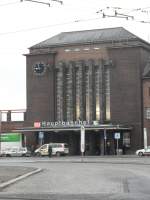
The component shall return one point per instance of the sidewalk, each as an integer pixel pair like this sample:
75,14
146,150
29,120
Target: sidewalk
121,159
10,174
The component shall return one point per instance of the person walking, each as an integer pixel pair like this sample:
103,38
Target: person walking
108,148
49,151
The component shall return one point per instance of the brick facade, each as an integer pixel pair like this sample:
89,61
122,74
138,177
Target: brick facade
94,81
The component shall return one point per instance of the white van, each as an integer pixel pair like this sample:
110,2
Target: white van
58,149
15,151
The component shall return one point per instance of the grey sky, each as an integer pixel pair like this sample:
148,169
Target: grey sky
24,24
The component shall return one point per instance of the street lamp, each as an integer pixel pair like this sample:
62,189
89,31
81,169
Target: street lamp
82,140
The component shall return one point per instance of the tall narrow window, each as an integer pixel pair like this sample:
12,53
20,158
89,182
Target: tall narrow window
59,94
107,92
77,93
97,92
87,93
69,95
147,113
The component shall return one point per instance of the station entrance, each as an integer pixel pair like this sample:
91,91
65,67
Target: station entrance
98,140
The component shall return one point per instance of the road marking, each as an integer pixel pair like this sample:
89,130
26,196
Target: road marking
5,184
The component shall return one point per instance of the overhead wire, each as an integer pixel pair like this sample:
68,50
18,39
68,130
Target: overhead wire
126,10
35,1
101,11
74,21
123,13
7,4
58,1
47,26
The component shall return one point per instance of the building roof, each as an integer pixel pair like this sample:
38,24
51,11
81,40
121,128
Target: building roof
88,37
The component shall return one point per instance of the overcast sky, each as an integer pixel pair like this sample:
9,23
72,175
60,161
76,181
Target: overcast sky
23,24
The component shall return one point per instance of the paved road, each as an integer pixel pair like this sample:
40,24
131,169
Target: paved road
102,178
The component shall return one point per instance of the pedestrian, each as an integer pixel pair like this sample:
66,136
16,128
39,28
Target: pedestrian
124,149
49,151
108,148
32,150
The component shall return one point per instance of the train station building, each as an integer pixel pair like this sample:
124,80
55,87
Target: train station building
90,78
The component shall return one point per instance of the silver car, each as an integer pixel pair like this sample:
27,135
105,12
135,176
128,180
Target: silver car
143,152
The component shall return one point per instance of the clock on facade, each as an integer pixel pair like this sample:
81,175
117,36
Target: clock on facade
39,68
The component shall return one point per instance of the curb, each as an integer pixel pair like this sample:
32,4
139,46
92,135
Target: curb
7,183
98,161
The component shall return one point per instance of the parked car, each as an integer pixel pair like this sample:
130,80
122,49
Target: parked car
15,151
143,152
58,149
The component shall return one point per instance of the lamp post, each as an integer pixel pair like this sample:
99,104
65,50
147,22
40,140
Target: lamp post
82,141
105,139
145,138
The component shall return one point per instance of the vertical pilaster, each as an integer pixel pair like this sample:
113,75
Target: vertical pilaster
64,91
99,91
74,90
81,88
107,65
60,91
89,91
69,92
102,92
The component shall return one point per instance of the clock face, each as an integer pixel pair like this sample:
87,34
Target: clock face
39,68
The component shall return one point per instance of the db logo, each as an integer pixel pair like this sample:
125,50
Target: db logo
37,124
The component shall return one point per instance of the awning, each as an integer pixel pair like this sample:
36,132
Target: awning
75,128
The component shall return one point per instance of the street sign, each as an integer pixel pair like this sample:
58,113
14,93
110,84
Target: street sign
117,136
82,147
41,135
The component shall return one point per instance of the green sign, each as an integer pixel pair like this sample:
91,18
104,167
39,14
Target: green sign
10,137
